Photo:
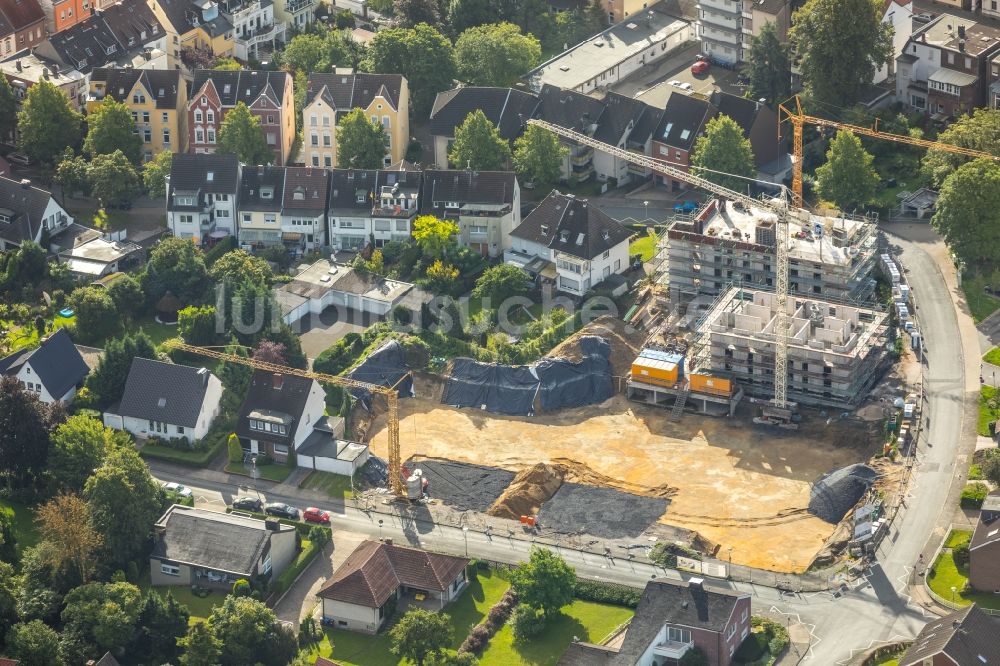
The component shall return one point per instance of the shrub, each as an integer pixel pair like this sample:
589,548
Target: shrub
607,594
527,622
241,588
224,245
960,554
665,554
973,495
235,450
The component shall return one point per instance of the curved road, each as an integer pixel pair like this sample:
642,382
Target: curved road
840,625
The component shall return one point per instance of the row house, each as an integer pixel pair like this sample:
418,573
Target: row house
62,14
385,98
283,206
22,26
946,66
127,34
255,29
202,193
303,216
486,205
898,15
375,206
296,14
194,25
262,190
268,95
157,100
27,69
506,108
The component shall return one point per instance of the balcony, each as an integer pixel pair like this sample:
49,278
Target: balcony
392,211
296,6
581,175
265,33
582,157
672,649
732,8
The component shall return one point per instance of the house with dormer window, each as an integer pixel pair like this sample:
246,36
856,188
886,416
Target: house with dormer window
278,413
25,211
157,100
202,194
262,191
303,214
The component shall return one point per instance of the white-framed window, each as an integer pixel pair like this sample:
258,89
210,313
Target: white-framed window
247,218
326,140
210,116
197,116
211,135
180,430
678,635
266,567
164,117
314,139
166,136
312,120
280,450
199,136
607,253
269,219
170,569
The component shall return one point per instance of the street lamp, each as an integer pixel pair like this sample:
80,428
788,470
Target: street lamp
465,533
645,205
380,529
953,590
253,473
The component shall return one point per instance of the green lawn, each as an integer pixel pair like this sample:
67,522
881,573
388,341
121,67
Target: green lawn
981,304
902,166
157,332
336,486
992,356
24,337
199,607
643,245
946,574
272,472
956,537
986,412
25,530
589,621
351,649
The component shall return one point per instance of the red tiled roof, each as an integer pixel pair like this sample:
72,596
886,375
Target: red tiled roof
371,574
21,13
4,661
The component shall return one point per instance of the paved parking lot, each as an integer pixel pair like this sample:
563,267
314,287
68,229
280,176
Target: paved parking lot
651,84
318,332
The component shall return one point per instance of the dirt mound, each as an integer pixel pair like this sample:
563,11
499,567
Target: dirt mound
528,491
625,343
579,472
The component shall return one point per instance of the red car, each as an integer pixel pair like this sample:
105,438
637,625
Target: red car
314,515
700,67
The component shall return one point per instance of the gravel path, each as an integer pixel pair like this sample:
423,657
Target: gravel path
602,512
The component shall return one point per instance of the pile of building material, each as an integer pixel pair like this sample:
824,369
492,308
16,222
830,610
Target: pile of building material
624,340
531,488
602,512
839,491
386,366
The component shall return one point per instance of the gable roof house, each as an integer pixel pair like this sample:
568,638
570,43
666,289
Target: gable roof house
262,191
257,27
24,69
166,400
278,413
194,24
486,206
629,123
683,121
303,213
984,548
53,371
25,211
157,100
567,241
967,636
202,196
758,122
127,34
574,111
507,108
331,96
215,549
22,25
378,573
672,618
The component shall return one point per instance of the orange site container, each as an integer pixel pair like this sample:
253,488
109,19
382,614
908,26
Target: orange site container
711,382
655,371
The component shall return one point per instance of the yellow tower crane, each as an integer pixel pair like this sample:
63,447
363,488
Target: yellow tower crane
799,119
391,395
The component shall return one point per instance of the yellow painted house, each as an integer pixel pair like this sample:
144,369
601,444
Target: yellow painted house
195,24
384,97
157,99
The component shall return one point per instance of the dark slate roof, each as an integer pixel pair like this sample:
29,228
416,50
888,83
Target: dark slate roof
371,574
107,660
508,109
20,14
181,12
346,91
125,28
646,125
683,121
290,399
305,189
495,187
568,108
744,111
677,603
56,362
190,173
160,84
24,205
567,224
586,654
619,112
242,85
222,541
968,636
260,178
985,534
347,184
165,392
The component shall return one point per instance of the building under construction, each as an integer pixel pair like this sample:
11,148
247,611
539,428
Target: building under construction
726,243
834,350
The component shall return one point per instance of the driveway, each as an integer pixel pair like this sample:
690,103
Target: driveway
319,332
300,600
651,84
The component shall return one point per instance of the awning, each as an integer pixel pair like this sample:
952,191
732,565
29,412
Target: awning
291,236
952,77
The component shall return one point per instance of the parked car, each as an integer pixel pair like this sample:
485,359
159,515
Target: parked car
178,489
314,515
281,510
700,67
685,207
19,158
248,504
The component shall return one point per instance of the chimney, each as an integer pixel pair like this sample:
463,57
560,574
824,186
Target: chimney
18,63
25,184
696,583
277,381
961,45
388,541
961,32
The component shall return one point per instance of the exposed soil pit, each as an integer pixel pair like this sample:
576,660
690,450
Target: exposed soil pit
602,512
462,486
736,484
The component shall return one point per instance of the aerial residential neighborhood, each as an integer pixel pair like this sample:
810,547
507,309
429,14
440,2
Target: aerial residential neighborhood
539,333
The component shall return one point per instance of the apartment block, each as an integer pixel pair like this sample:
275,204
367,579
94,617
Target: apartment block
157,100
834,350
724,243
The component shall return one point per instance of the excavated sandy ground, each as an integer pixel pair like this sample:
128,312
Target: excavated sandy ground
740,486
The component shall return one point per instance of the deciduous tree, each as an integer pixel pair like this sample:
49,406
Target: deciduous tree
478,145
8,602
306,53
197,325
421,54
73,174
107,381
110,127
980,131
161,622
723,148
545,581
114,180
419,634
155,172
361,143
859,46
201,647
241,135
495,54
78,448
966,215
240,267
538,157
250,633
96,315
104,614
46,123
8,539
126,292
770,68
34,644
175,265
24,434
500,282
465,14
8,108
64,523
433,235
410,13
848,178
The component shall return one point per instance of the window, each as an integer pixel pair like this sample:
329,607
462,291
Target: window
477,229
170,570
266,567
314,139
381,225
951,58
326,140
204,101
138,98
147,135
210,116
145,117
165,117
678,635
180,430
269,219
326,121
280,450
730,632
385,122
744,615
247,218
316,160
270,120
199,136
197,116
327,161
312,120
607,253
211,135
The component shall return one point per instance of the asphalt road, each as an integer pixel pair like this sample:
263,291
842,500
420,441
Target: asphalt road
841,624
